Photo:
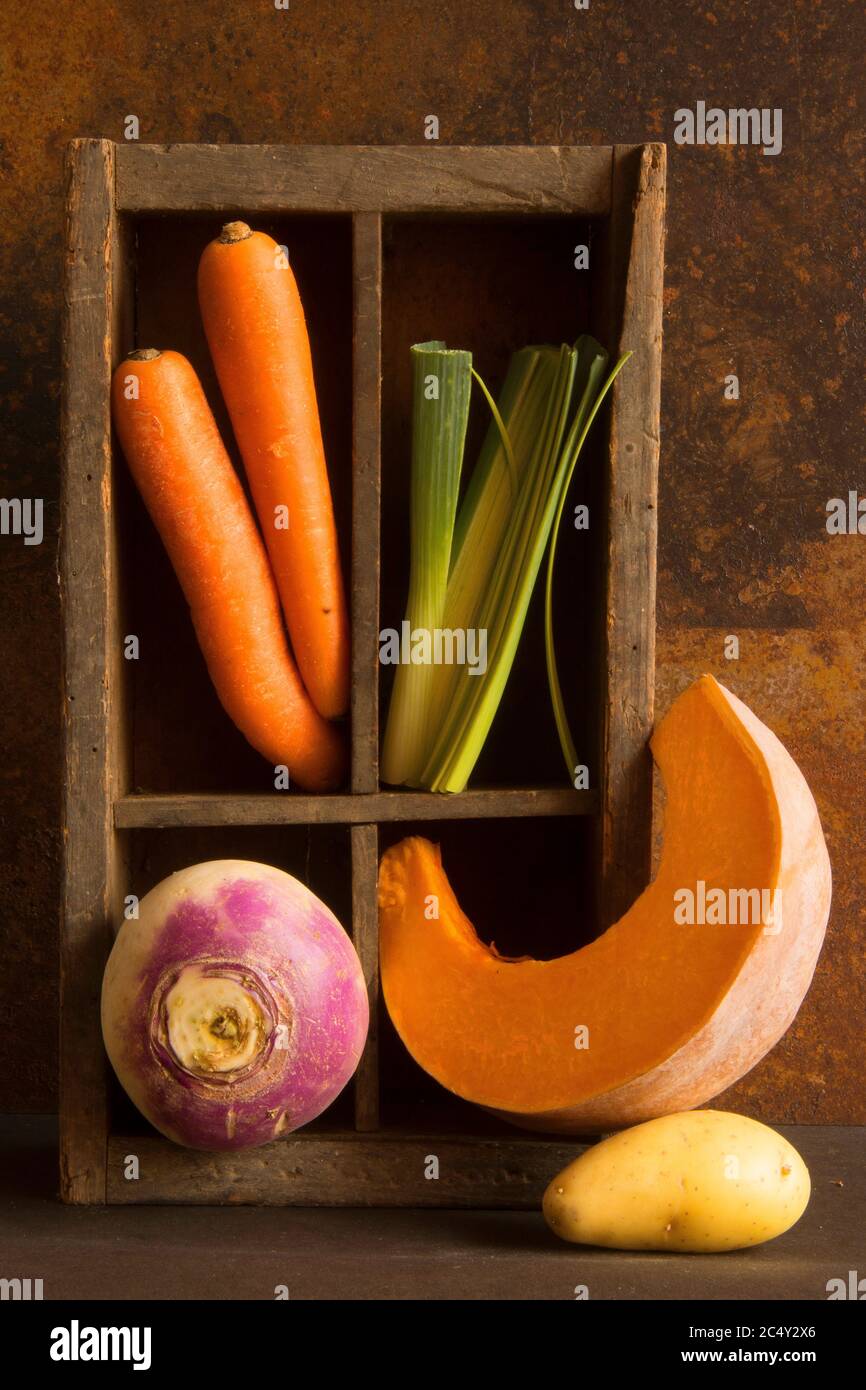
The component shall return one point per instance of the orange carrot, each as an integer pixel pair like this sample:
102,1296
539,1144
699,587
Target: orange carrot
255,327
176,455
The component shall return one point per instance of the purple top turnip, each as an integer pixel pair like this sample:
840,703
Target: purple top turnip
234,1008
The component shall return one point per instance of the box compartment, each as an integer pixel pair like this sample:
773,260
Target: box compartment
525,885
181,739
317,855
494,285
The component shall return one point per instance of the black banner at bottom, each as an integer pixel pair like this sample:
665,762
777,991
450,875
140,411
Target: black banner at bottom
193,1337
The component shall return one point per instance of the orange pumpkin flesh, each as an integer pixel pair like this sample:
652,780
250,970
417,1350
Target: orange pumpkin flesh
675,1012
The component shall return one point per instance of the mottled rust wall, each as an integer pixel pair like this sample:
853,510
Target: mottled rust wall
764,278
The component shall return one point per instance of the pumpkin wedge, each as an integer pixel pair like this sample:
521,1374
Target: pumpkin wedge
675,1001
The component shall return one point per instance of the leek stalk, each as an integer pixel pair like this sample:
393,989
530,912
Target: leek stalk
442,382
475,568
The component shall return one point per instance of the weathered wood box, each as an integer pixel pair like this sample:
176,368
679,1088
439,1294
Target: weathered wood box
390,246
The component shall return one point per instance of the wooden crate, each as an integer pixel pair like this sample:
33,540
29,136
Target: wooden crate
391,245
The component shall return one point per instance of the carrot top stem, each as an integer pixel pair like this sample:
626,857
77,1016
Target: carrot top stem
234,231
143,355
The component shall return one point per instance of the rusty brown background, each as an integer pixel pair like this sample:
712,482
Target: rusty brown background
764,278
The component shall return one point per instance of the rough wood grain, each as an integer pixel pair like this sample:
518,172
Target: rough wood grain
365,933
366,475
119,706
363,178
637,254
89,630
343,1170
150,810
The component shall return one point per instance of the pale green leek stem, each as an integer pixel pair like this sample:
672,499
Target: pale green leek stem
442,386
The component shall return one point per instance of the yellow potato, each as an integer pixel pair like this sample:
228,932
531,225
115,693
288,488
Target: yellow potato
702,1180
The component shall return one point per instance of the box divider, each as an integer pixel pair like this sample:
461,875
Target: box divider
365,929
366,484
155,809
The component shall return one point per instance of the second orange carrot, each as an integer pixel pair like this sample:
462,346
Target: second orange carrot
257,334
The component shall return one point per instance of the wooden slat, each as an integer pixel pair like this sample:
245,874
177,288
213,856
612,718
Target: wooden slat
119,706
365,933
153,811
118,711
366,484
89,629
339,178
637,261
344,1170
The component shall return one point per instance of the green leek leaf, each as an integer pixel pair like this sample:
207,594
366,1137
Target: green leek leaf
593,360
